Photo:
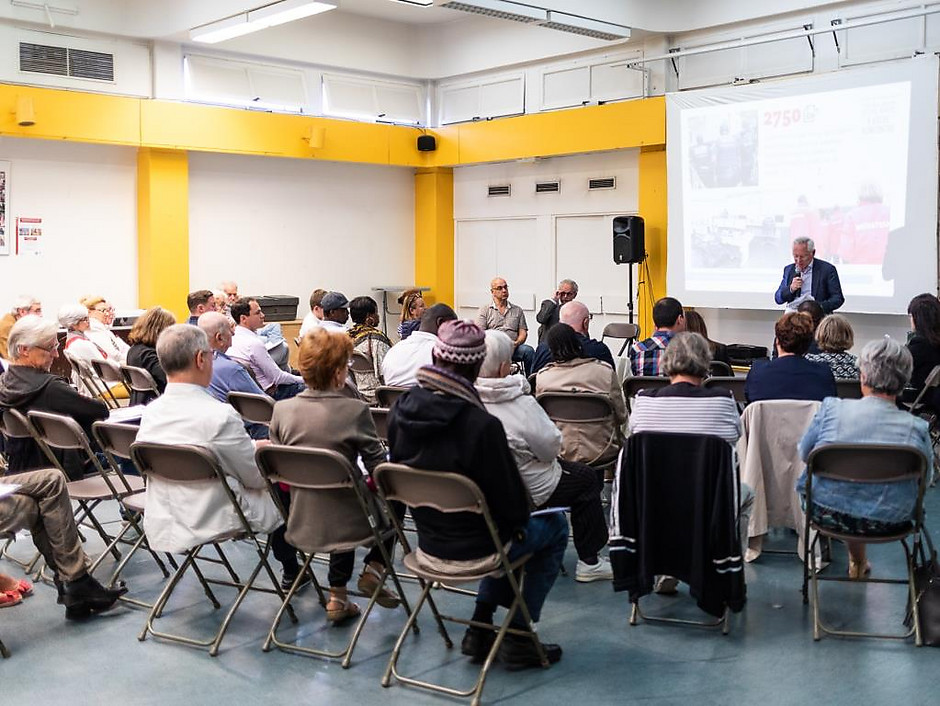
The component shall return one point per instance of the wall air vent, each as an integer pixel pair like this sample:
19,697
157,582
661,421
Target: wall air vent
65,61
602,183
501,190
547,187
501,9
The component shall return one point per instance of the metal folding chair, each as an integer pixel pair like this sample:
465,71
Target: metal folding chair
84,379
720,368
191,464
380,418
849,389
449,493
310,470
253,408
584,408
635,383
4,651
115,441
139,380
732,383
628,332
109,373
865,463
386,395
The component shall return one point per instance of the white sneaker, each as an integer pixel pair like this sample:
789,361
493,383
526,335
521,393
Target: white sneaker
666,585
600,571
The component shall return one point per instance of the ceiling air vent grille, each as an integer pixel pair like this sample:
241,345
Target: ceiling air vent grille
502,190
547,187
64,61
602,183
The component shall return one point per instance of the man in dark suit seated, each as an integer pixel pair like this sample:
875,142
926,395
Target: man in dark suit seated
808,277
790,376
551,308
577,316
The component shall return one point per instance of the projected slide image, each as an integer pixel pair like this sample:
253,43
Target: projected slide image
723,149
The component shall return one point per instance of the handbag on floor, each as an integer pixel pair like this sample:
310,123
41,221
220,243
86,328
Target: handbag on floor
927,586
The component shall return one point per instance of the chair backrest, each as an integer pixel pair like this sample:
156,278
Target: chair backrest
576,406
306,468
635,383
83,375
107,370
931,383
386,394
252,407
849,389
867,463
380,418
628,332
139,380
114,438
444,492
729,382
720,368
16,425
360,363
176,463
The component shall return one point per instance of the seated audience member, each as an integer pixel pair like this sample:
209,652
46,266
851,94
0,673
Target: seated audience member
271,334
570,371
221,303
323,417
227,374
369,341
815,310
790,376
23,306
230,290
412,309
314,317
198,303
143,351
335,307
867,508
101,316
29,386
181,515
405,358
577,316
834,337
501,315
685,407
535,441
42,506
74,318
696,324
646,356
550,309
924,341
248,349
442,425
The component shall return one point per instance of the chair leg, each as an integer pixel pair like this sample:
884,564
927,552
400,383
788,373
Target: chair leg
391,668
4,652
225,562
214,648
205,586
164,596
272,633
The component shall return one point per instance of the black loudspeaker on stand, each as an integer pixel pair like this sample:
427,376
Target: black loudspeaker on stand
629,248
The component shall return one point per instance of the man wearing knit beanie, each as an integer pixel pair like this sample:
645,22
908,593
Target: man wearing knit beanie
442,425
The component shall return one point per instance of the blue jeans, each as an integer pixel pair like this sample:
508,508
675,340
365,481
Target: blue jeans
546,538
526,355
287,390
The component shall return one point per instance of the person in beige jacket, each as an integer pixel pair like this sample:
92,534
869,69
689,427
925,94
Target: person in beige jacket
584,442
323,417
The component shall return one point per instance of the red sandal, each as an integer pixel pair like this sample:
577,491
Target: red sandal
10,598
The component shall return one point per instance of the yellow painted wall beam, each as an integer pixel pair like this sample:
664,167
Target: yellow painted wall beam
434,233
653,209
163,230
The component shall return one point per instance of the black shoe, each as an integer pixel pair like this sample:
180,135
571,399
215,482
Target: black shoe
87,594
60,589
518,652
476,643
287,580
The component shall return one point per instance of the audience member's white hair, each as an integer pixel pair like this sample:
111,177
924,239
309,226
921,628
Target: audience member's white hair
885,366
212,322
177,347
24,301
687,354
72,314
498,352
31,331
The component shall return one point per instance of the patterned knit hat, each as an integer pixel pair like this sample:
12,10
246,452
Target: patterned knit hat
460,342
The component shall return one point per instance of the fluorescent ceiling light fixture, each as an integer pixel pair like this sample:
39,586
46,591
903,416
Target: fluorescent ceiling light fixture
501,9
585,26
420,3
261,18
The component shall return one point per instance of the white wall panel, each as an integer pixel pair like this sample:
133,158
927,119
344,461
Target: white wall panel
86,196
280,226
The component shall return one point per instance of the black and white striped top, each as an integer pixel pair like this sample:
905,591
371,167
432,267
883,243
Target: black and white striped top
684,408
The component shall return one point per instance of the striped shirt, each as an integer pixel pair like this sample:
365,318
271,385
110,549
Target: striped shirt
684,408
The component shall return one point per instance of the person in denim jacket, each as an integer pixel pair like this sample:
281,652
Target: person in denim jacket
869,508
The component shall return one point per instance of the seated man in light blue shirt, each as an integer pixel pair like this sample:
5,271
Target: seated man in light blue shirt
227,374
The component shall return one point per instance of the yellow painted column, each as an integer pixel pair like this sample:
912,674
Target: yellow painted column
434,233
653,209
163,230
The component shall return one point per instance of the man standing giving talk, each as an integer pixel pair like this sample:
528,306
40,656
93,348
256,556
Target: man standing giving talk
808,278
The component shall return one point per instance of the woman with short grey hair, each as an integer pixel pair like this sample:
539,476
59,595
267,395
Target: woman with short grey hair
75,319
687,354
867,508
32,332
